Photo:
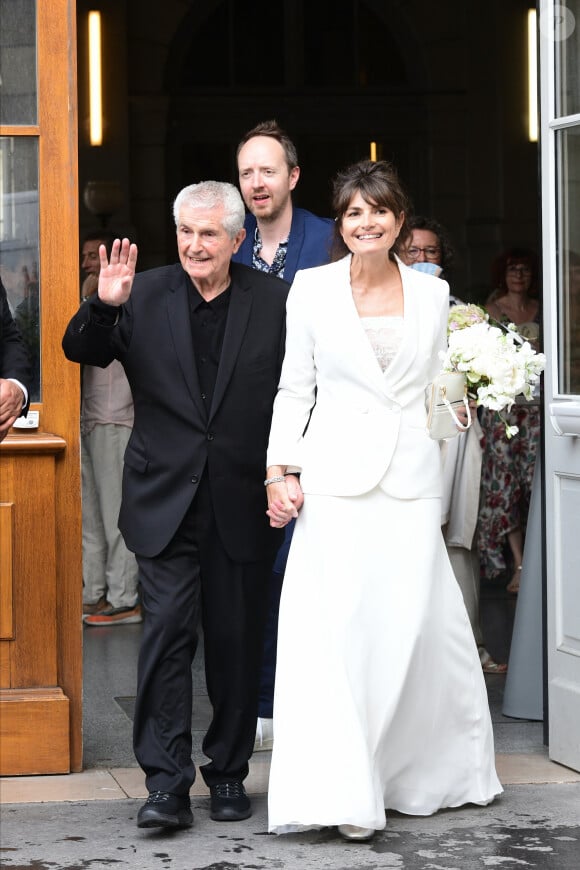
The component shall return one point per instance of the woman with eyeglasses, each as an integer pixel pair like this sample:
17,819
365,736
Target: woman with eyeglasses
508,465
429,245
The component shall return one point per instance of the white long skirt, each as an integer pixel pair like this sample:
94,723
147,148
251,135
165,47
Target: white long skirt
380,699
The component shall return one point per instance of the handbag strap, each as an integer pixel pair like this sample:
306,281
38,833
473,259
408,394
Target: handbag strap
451,410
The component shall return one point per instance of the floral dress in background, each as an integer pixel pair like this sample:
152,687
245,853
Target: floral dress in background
506,476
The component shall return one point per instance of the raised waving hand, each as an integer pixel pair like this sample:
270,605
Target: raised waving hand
117,274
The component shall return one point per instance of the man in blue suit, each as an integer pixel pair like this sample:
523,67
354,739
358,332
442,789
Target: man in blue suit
280,239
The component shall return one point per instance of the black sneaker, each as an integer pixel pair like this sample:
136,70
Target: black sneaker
165,810
229,802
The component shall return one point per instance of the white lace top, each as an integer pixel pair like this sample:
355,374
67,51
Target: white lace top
385,335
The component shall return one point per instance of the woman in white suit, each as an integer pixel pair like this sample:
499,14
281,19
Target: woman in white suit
374,645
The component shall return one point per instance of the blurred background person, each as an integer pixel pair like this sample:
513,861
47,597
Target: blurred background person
462,455
110,590
429,244
14,369
27,318
508,464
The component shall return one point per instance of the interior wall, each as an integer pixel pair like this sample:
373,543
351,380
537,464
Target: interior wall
453,119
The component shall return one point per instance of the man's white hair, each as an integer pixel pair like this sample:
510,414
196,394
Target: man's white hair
209,194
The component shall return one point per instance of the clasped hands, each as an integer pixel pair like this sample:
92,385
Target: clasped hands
285,498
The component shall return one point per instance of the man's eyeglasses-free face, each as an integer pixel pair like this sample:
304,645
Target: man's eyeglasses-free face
431,253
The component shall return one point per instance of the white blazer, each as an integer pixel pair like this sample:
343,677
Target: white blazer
340,420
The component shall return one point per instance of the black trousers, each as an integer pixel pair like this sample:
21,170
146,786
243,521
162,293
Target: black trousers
192,578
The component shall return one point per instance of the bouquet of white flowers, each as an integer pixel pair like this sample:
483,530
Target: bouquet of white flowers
497,362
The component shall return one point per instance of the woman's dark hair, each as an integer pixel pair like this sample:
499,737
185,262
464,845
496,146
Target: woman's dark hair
378,183
511,256
419,222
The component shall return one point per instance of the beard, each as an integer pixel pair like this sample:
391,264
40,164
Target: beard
274,212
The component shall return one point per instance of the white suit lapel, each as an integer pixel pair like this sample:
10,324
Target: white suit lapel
359,346
407,354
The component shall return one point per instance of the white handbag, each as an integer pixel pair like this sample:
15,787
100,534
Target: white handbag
445,395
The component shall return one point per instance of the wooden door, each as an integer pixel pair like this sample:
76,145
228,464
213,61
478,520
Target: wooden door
40,517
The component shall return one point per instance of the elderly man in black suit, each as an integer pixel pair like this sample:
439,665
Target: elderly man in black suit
202,343
14,369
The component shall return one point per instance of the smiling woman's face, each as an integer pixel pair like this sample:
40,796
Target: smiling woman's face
369,228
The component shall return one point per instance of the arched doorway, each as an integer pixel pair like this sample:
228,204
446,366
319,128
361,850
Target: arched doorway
422,84
336,75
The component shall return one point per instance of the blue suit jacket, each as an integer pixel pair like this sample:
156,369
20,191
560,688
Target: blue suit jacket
309,243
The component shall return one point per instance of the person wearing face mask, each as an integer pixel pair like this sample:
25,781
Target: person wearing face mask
374,640
429,249
508,465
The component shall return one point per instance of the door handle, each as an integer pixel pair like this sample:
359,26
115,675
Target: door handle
565,418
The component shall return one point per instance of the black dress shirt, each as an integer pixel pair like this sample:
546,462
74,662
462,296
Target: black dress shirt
208,326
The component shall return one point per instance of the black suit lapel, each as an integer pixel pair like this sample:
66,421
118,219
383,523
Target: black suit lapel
238,316
180,325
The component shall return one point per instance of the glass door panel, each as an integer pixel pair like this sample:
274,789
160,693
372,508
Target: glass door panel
18,86
19,205
19,242
568,209
564,21
560,165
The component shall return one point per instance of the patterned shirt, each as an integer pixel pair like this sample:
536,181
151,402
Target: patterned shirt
279,261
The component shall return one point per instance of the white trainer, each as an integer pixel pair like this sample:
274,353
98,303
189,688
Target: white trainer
353,832
264,741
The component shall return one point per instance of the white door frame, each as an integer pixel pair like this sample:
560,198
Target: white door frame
560,185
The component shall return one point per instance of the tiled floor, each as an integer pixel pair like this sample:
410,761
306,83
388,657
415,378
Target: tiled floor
86,821
111,772
128,782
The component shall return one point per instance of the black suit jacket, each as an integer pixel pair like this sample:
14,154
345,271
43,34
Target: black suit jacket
174,440
14,360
